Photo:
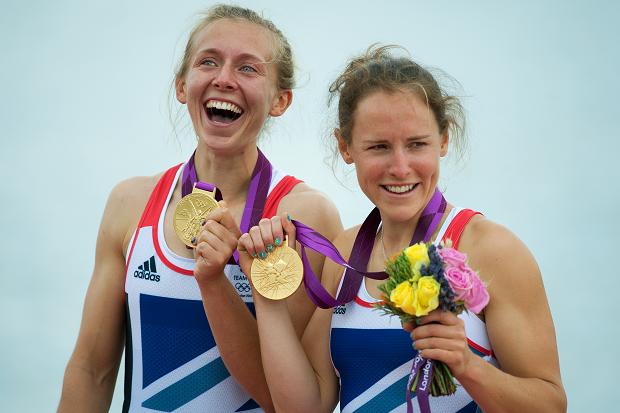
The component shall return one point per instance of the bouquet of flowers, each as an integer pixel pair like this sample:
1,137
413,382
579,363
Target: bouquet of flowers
424,277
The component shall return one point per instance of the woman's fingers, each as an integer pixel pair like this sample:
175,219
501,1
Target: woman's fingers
451,331
246,245
255,234
289,229
265,237
266,234
277,231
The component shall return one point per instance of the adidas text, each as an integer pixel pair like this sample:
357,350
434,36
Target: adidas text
147,275
147,271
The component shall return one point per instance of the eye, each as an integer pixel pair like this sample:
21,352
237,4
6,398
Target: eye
417,144
378,147
248,69
209,61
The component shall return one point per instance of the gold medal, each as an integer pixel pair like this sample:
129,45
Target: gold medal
190,212
279,275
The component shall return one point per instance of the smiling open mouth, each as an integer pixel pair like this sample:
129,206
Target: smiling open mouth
399,189
222,112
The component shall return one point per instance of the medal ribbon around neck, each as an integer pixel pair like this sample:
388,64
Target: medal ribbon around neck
356,270
257,192
360,254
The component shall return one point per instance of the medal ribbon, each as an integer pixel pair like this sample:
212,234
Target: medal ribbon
257,192
425,368
353,276
360,254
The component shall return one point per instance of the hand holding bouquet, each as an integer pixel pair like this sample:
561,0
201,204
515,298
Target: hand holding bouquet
422,278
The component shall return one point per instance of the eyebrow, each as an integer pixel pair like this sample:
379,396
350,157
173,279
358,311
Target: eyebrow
379,140
242,56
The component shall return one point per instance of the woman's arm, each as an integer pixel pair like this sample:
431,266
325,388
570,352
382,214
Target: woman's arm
300,374
234,328
519,326
91,373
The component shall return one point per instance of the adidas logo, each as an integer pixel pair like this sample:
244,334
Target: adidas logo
148,270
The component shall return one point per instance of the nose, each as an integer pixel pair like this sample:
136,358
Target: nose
399,164
225,78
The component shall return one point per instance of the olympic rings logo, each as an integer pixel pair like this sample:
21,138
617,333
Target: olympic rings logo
243,287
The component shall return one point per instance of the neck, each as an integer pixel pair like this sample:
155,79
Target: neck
396,236
230,173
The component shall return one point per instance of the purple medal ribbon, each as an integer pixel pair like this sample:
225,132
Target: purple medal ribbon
423,386
257,192
360,254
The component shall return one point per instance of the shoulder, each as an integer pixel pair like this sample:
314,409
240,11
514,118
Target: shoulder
133,192
344,241
303,197
313,208
344,244
125,204
501,258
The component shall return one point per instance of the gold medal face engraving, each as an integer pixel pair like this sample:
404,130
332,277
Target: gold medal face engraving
189,213
279,275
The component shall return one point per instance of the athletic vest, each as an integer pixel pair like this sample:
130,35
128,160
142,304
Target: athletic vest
171,360
372,354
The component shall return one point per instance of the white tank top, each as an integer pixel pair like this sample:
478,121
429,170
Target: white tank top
172,361
372,354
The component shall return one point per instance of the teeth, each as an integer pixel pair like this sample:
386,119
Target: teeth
399,189
224,106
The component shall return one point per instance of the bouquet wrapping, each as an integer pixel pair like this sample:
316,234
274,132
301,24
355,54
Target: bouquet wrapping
422,278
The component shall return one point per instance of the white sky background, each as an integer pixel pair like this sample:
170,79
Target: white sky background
84,89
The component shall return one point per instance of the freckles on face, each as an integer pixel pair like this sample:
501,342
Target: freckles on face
395,145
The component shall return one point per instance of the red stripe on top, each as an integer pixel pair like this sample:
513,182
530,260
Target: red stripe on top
478,347
282,188
457,226
366,304
453,233
153,207
163,258
152,212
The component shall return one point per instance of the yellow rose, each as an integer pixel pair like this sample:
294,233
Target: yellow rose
417,254
402,297
426,296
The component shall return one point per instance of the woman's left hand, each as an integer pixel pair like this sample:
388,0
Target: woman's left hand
441,336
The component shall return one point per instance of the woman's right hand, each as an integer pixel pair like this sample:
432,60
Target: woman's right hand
262,239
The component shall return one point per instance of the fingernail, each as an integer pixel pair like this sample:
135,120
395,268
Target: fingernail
254,255
204,221
278,241
270,248
262,255
288,217
194,241
418,321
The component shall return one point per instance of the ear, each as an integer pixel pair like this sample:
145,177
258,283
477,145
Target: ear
179,86
281,102
343,147
443,148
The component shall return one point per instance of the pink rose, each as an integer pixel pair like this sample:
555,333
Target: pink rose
452,257
460,281
467,287
478,296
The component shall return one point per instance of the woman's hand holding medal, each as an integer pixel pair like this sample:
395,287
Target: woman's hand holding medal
215,243
267,255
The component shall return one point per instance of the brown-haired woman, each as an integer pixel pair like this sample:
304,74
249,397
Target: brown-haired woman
186,314
395,123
